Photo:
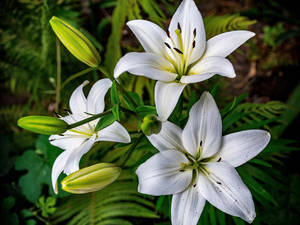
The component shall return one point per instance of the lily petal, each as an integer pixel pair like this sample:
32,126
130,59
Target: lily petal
189,18
240,147
58,167
166,98
224,44
196,78
160,174
168,138
114,132
150,65
95,99
208,67
187,207
204,127
77,100
72,164
68,141
150,35
222,187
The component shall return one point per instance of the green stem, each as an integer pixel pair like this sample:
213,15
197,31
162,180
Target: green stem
58,75
130,150
120,87
94,117
72,77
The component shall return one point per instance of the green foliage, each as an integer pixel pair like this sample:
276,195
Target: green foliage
271,35
105,121
46,205
107,206
38,174
132,10
253,116
8,217
215,25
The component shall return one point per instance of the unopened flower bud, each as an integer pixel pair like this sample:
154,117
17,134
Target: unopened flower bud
43,124
151,125
75,42
90,179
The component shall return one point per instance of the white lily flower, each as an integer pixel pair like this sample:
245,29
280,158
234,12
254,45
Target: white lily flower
79,140
198,164
180,56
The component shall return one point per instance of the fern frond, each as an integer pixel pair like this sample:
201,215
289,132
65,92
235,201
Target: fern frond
107,206
253,115
215,25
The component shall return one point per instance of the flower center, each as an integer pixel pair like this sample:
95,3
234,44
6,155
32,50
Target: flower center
179,51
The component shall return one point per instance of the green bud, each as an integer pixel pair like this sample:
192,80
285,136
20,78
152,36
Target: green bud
92,178
43,124
151,125
75,42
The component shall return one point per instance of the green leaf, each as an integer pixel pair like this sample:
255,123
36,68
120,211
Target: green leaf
212,215
113,48
38,174
136,98
105,121
221,217
114,94
115,112
238,221
30,222
50,152
47,206
231,106
26,213
144,110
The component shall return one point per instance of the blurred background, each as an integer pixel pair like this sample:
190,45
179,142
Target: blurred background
265,94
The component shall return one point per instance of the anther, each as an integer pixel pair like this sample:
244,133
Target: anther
181,170
68,111
219,182
51,139
194,185
167,45
177,50
194,32
60,134
178,27
194,44
219,159
57,115
200,143
168,33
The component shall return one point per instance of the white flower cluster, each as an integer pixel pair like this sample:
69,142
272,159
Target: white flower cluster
194,164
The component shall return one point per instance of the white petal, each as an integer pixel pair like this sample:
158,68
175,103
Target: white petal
166,98
207,67
160,174
58,167
114,132
187,207
196,78
95,99
72,164
204,125
168,138
77,100
222,187
240,147
150,65
150,35
224,44
68,141
189,18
